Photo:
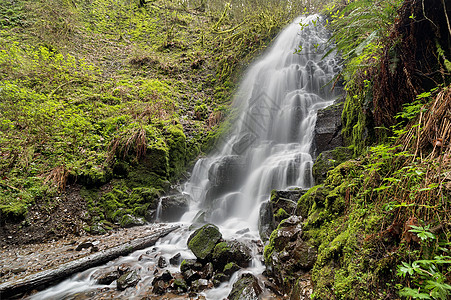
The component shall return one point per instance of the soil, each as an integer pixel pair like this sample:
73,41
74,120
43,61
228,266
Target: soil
64,216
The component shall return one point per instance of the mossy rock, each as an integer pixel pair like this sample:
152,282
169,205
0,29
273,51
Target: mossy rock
246,287
203,241
231,251
328,160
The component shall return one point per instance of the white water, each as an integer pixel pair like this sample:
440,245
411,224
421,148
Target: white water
268,148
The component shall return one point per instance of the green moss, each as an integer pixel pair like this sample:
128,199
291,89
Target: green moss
281,214
176,141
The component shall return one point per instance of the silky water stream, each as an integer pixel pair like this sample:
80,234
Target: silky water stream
268,148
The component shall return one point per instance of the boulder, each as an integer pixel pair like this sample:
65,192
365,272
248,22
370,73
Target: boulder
129,279
203,241
231,268
219,278
208,271
328,160
245,288
327,134
173,207
179,285
199,285
190,264
244,143
130,221
231,251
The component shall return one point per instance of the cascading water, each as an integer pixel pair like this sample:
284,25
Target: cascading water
268,148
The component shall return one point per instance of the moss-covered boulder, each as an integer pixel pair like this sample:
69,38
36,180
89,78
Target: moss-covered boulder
246,287
203,241
328,160
231,251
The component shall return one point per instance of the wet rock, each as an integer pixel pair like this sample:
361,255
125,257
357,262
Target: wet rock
243,231
173,207
287,256
190,264
243,143
226,175
166,276
199,220
199,285
231,251
231,268
190,276
246,288
328,160
176,259
124,268
130,221
203,241
162,263
159,287
327,134
284,203
129,279
105,276
179,285
84,245
266,223
208,271
219,278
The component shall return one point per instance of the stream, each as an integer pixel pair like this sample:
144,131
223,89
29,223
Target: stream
269,147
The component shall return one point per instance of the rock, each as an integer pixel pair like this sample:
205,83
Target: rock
328,160
124,268
190,276
130,221
243,143
327,134
226,175
199,220
173,207
199,285
162,263
287,256
166,276
208,271
219,278
231,251
243,231
105,276
176,259
231,268
245,288
266,223
283,204
190,264
129,279
159,287
203,241
84,245
179,285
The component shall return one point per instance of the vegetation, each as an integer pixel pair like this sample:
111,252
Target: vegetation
116,96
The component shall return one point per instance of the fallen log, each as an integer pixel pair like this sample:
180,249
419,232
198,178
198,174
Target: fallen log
41,280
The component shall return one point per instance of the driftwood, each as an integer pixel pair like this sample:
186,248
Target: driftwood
42,279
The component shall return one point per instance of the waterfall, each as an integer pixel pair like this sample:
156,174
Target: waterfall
269,147
270,144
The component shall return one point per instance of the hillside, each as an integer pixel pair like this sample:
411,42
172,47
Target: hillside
104,104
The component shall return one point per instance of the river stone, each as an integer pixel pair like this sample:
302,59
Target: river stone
190,264
159,287
199,285
179,285
208,271
190,276
231,251
176,259
203,241
105,276
173,207
129,279
162,263
219,278
245,288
